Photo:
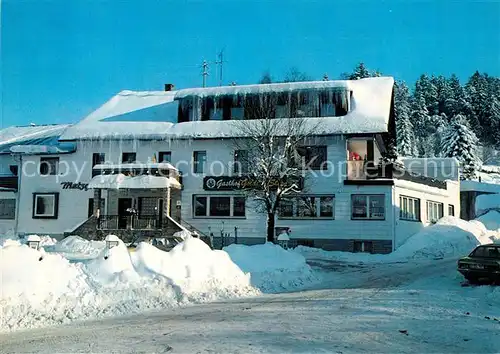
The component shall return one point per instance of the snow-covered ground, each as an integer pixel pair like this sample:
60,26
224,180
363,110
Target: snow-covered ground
76,279
407,307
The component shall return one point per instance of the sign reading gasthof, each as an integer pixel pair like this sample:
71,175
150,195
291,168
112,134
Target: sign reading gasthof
231,183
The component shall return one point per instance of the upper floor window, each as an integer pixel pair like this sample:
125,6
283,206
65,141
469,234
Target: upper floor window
129,157
297,103
49,165
334,103
240,162
14,169
370,207
165,156
199,160
311,157
98,158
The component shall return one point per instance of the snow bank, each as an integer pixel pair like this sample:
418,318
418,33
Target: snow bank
491,220
40,288
272,268
77,248
449,237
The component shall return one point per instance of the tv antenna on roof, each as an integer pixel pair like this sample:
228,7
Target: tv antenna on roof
204,66
220,61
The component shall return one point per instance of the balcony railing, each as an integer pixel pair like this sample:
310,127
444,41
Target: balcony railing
136,222
364,170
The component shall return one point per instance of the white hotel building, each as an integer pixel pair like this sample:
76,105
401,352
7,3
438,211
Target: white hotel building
151,163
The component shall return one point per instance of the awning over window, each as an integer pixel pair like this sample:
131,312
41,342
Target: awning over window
120,181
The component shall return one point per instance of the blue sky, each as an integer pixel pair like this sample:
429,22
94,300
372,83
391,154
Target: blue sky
61,59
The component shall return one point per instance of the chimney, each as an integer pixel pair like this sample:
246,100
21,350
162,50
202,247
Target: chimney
169,87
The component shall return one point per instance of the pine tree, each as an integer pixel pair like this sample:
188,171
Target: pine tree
406,144
459,141
266,78
419,119
477,92
456,102
426,89
444,92
360,72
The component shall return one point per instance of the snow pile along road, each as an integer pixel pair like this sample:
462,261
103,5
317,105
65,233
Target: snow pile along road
272,268
75,247
449,237
40,288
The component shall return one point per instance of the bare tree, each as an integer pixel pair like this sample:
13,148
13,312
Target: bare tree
275,171
295,75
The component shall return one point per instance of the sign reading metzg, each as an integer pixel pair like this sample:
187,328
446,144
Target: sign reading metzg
79,186
227,183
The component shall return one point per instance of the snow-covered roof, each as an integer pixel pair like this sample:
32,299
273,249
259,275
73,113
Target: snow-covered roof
128,115
263,88
440,168
153,114
35,139
120,181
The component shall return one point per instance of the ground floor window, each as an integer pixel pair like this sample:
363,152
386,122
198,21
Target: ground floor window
218,206
7,209
370,207
434,211
308,207
451,210
45,205
409,208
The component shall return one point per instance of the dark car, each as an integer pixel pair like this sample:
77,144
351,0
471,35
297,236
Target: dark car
481,264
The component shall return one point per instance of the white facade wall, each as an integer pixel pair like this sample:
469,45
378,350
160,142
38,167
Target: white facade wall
450,196
73,204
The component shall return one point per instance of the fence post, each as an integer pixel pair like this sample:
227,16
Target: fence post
236,235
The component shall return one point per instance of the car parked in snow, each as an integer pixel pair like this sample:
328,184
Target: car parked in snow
483,263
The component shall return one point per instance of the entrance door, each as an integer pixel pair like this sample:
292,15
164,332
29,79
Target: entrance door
123,214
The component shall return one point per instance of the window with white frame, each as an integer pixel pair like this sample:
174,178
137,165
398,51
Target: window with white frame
308,207
45,205
451,210
409,208
49,166
434,211
129,157
311,157
199,160
369,207
240,162
219,206
7,209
